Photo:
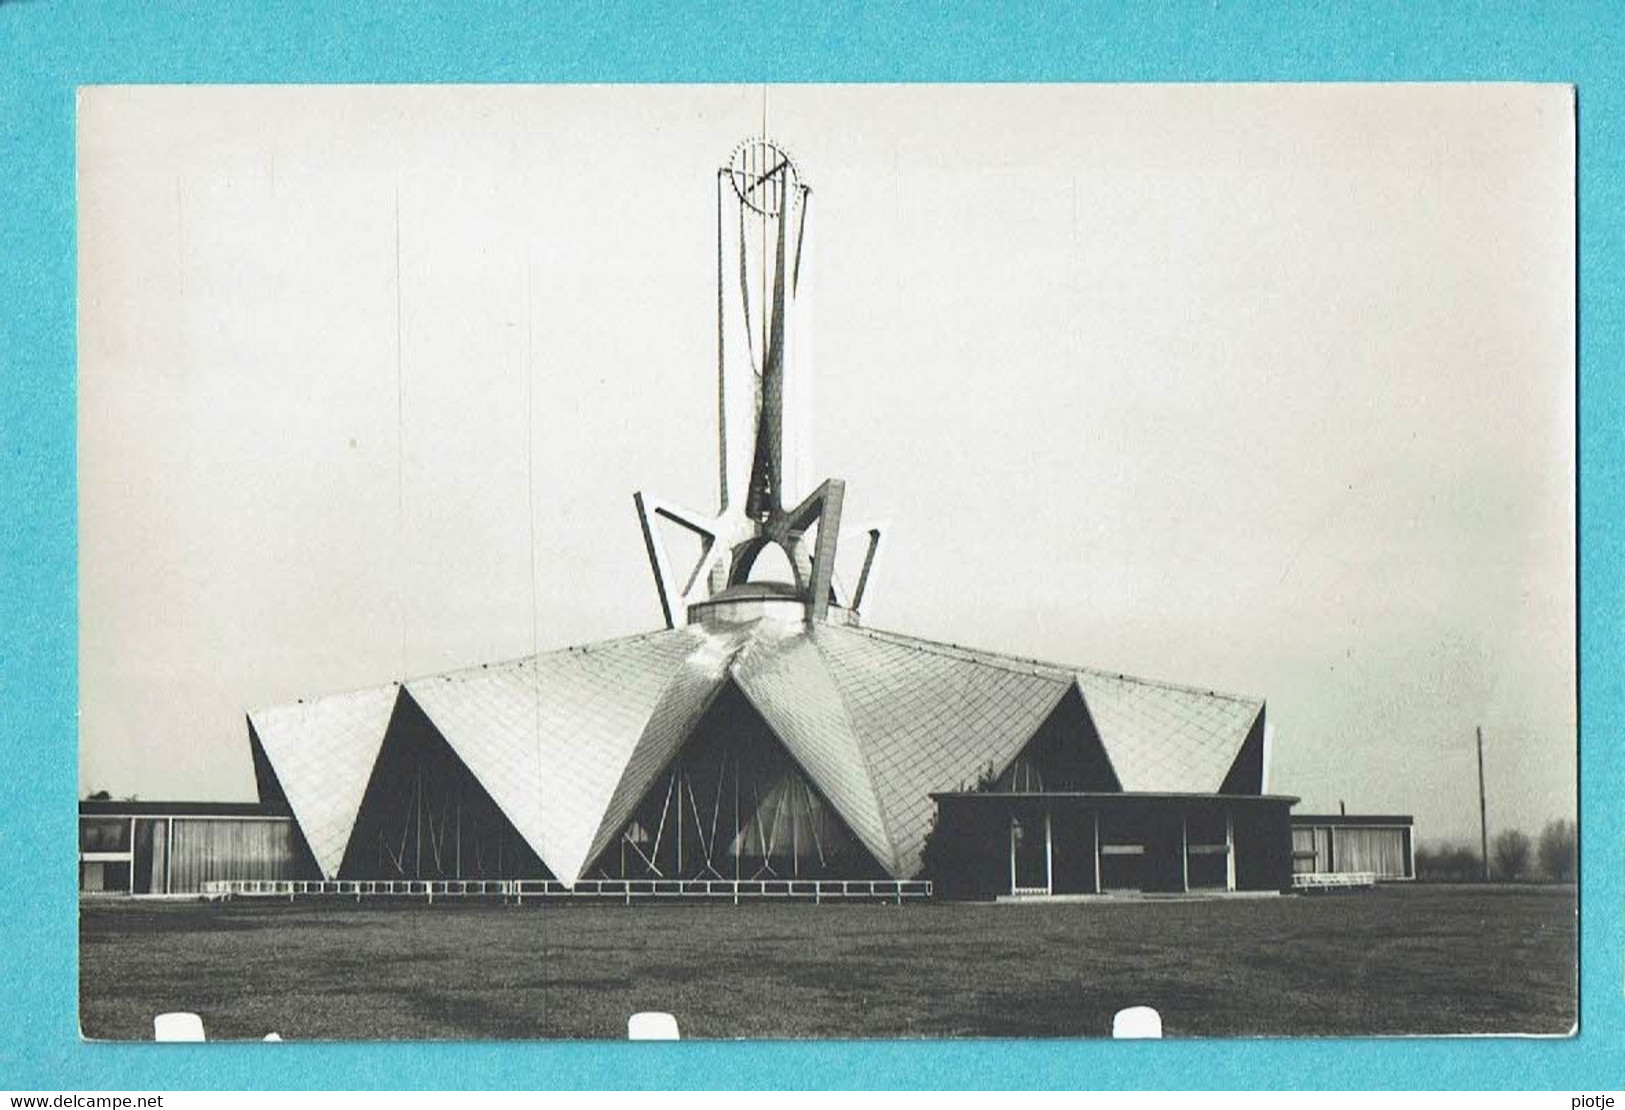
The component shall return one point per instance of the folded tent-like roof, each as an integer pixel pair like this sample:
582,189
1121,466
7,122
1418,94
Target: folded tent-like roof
566,743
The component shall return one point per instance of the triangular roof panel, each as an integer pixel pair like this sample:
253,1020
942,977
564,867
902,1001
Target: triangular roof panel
788,682
689,691
549,736
323,753
931,717
1167,738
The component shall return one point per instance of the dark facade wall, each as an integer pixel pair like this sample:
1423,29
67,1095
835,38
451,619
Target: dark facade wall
1073,832
1263,846
1162,868
967,853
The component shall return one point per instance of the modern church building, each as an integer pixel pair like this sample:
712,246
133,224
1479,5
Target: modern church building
766,734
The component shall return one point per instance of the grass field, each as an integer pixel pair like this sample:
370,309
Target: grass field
1395,960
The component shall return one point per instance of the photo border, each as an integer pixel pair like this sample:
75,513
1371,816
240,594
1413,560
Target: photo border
49,49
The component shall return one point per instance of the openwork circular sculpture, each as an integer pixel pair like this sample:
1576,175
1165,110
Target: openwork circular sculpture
763,175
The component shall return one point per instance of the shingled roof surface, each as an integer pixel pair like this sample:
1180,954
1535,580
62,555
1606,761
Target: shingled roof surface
322,752
550,736
931,719
568,742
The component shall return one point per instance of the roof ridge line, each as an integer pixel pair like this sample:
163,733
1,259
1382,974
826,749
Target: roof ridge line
1002,660
568,649
400,683
723,678
376,687
805,633
944,647
863,749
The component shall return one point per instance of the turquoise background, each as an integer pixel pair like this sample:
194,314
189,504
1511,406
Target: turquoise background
48,48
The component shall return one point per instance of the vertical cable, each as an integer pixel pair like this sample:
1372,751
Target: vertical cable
761,150
722,367
400,441
530,515
762,219
530,474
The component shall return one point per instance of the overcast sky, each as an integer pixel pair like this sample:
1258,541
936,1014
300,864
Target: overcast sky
1264,389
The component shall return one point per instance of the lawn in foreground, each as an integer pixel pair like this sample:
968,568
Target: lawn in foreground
1394,960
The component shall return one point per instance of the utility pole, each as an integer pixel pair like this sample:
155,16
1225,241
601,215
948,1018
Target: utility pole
1483,824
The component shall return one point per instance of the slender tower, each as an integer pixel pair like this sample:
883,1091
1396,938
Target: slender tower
762,203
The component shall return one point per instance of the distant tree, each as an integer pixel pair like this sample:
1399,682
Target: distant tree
1558,850
99,796
1424,863
1447,863
1510,855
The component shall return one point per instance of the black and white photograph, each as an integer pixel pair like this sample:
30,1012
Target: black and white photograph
826,561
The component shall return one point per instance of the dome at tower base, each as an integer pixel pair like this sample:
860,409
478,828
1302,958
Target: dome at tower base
751,601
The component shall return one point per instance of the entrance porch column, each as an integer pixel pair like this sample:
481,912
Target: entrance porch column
1049,856
1184,853
1013,826
1229,851
1097,853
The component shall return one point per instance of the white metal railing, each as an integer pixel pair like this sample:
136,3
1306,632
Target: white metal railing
623,890
1333,880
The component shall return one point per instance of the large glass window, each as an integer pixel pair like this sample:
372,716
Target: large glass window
734,805
151,855
1381,851
1024,776
104,877
425,816
104,834
1303,850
